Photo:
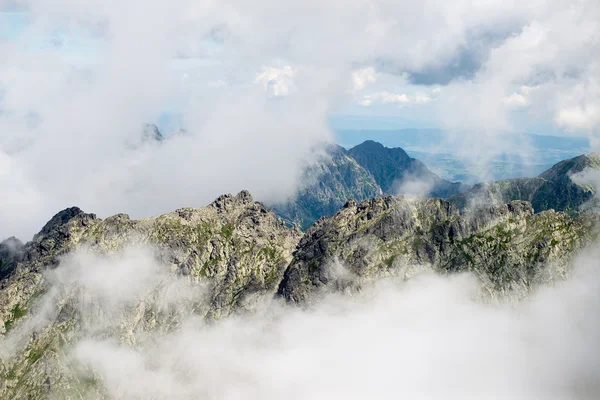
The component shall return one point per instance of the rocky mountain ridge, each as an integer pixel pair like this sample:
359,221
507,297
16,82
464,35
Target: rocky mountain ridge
235,254
372,170
394,170
508,247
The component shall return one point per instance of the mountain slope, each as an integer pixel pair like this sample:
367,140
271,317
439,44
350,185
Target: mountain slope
327,185
394,171
553,189
365,171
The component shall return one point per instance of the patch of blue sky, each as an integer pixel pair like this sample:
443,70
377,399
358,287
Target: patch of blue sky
12,24
74,47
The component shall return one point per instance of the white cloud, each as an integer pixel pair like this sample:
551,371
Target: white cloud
579,118
73,154
277,82
363,77
520,99
401,99
578,106
429,337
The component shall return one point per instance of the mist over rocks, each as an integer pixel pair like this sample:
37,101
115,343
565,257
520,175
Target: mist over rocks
98,286
10,254
327,184
383,296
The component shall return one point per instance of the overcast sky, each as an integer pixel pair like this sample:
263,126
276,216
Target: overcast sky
77,80
534,64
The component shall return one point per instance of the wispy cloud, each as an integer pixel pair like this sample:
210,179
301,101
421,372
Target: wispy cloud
277,82
400,99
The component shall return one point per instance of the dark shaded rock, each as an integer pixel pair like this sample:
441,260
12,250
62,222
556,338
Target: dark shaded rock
11,252
151,133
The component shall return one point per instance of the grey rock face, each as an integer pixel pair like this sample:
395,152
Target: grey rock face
507,246
227,255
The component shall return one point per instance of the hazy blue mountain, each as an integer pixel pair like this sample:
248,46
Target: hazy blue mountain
426,145
365,171
328,184
394,170
553,189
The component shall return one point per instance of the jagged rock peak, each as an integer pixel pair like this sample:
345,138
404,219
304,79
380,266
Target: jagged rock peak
151,132
227,202
350,203
520,207
62,218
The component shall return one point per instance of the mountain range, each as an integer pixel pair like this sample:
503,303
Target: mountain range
85,281
362,172
372,170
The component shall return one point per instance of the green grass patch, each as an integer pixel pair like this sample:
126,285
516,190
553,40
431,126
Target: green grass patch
227,231
16,313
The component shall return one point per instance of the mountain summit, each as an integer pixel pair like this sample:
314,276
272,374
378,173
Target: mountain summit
365,171
395,171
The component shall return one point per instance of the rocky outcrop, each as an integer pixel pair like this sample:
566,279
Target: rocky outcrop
152,133
508,246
